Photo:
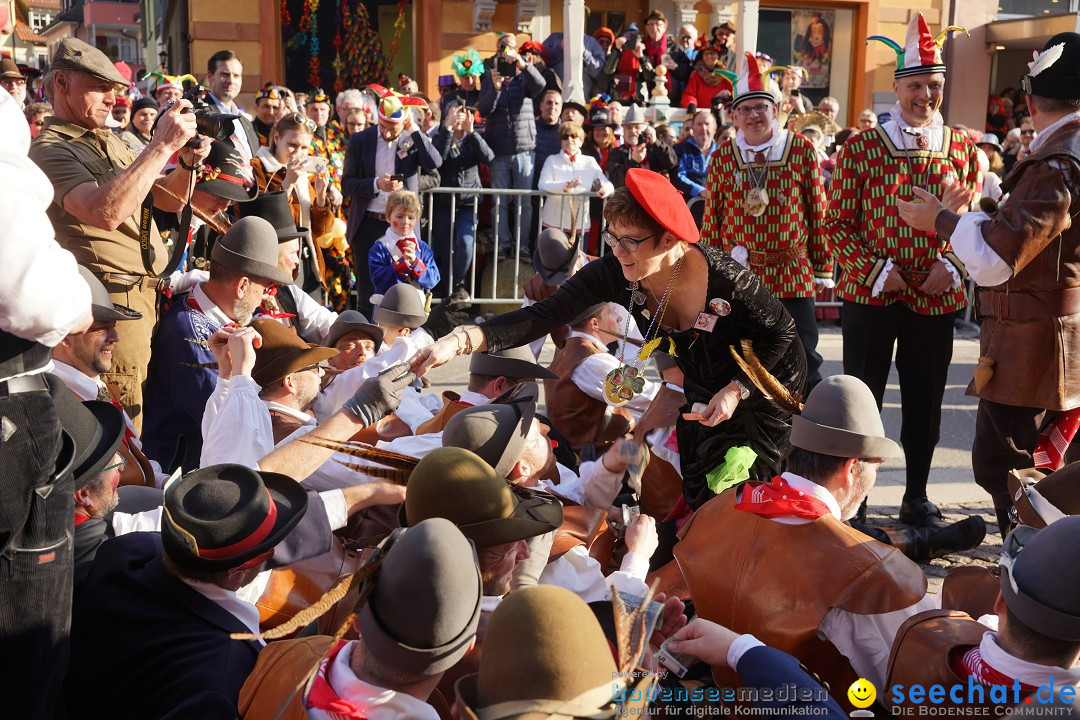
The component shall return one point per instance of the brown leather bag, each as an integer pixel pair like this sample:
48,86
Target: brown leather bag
270,692
298,586
971,589
581,525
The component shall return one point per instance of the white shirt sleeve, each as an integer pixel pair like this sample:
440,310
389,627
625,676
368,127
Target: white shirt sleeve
956,279
865,640
42,295
147,521
600,484
739,647
236,424
984,265
571,486
879,284
337,512
591,374
312,318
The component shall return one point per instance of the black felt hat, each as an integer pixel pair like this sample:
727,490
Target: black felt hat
227,174
274,208
218,517
1055,77
96,427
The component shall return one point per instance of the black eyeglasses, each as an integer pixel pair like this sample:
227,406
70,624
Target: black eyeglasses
628,244
1027,132
747,110
317,366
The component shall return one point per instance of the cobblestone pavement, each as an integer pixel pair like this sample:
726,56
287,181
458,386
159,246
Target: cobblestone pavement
952,486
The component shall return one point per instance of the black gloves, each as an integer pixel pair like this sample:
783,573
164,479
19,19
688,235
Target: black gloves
448,314
379,396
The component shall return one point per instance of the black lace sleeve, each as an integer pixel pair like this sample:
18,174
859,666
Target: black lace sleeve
599,281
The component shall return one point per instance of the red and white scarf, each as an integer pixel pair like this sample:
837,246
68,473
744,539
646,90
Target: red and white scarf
322,695
777,498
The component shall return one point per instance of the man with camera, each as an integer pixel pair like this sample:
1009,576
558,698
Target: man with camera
99,186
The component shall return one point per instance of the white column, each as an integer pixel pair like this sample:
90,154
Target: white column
573,48
746,30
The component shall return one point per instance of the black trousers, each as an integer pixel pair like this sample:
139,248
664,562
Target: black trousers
924,346
360,242
36,562
801,311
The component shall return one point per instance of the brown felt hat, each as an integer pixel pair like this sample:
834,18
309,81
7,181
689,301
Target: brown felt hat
283,352
841,419
102,306
544,655
458,485
74,54
496,431
250,246
10,71
423,612
512,363
1042,498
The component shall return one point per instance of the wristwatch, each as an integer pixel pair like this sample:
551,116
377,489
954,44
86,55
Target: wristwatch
744,392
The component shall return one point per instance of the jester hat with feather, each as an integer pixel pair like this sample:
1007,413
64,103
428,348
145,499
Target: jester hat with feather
168,82
392,105
1055,72
751,84
921,52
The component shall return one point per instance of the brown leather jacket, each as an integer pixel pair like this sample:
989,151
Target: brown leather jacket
778,581
579,417
1031,324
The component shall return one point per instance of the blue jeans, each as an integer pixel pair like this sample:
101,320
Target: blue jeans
513,172
464,237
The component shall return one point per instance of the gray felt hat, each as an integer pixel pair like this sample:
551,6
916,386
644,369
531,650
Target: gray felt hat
513,363
104,309
251,246
1040,587
841,419
497,431
554,255
74,54
350,320
423,612
401,306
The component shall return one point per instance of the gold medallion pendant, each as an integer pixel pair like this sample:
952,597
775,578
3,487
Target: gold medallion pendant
622,384
756,201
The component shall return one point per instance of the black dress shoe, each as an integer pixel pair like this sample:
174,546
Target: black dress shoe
964,535
920,512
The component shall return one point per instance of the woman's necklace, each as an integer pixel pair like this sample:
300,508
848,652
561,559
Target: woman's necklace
626,381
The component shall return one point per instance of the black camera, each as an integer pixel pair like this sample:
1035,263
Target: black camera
210,123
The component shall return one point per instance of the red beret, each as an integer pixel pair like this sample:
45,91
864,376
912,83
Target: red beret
663,202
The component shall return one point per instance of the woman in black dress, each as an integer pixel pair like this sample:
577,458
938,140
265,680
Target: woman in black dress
706,303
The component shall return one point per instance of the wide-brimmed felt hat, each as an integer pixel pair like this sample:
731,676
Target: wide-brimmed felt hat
1040,586
74,54
96,427
496,432
422,614
554,255
10,71
545,655
575,105
658,197
226,174
251,246
353,320
402,305
283,352
458,485
101,305
512,363
1041,498
841,419
599,117
274,208
219,517
1055,72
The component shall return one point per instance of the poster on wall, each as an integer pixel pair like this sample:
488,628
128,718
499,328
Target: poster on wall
811,44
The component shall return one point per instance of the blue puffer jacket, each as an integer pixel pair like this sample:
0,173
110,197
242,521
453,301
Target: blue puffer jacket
510,113
693,166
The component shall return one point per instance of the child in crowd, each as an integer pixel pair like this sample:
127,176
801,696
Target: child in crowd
400,256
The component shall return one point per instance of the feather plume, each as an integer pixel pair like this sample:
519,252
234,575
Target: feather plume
944,35
888,41
1042,60
365,452
629,645
394,475
764,381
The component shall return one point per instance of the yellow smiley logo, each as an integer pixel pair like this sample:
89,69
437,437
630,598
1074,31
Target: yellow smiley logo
862,693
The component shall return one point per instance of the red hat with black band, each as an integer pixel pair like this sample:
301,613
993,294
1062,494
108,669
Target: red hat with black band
663,202
221,517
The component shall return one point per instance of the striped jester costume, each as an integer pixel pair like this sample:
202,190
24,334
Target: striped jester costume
787,245
864,223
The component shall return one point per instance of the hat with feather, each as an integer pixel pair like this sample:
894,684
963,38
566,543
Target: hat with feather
1055,72
921,51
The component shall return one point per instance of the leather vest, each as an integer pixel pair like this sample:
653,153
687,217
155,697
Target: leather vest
18,356
451,406
582,419
921,655
283,425
779,581
1031,323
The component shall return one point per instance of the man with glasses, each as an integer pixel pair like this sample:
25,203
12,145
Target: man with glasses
13,80
683,56
694,153
766,207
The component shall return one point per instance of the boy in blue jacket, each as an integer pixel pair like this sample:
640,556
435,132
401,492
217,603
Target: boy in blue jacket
400,256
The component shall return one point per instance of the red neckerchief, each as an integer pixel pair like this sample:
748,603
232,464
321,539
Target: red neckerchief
80,519
1055,440
778,499
971,663
276,314
323,697
655,50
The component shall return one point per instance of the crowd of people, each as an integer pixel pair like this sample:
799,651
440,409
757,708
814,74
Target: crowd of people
230,492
